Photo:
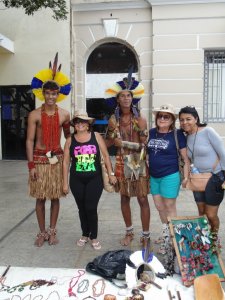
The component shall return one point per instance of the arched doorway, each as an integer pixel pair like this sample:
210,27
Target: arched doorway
107,64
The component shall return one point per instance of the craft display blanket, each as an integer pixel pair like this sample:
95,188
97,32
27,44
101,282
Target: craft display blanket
56,284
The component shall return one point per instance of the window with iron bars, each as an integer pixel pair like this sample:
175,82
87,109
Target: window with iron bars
214,86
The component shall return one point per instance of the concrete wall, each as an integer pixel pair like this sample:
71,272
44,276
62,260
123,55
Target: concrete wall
36,40
134,30
181,33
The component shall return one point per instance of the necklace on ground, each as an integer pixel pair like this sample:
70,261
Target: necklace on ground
102,287
83,286
72,285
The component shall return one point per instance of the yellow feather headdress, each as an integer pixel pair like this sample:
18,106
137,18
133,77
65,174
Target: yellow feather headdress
51,74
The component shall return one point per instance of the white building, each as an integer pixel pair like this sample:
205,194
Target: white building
177,49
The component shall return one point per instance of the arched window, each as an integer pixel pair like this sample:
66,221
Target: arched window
111,58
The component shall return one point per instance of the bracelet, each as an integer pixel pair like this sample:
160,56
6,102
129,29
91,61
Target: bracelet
30,165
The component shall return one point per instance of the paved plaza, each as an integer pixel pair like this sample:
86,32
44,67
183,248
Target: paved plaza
18,225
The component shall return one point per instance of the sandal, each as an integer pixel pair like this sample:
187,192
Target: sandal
129,236
52,240
96,245
41,238
82,241
145,241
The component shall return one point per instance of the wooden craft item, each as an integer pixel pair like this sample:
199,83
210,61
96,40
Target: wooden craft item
208,287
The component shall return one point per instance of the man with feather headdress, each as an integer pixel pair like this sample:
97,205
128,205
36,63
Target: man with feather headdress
127,130
44,152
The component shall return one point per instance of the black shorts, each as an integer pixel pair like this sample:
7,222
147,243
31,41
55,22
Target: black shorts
213,194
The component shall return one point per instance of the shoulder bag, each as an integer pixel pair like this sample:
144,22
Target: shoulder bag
197,181
108,187
180,159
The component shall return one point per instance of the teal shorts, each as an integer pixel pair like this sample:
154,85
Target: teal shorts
167,186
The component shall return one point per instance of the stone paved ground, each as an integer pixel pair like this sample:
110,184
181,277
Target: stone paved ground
18,225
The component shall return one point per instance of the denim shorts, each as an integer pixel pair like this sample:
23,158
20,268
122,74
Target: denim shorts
213,194
167,186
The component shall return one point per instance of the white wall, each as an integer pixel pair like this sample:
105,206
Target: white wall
36,40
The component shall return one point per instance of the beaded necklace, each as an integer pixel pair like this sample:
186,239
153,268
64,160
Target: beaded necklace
125,134
50,129
33,285
94,287
72,285
83,286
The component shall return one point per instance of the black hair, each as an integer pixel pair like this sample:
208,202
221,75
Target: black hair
192,111
50,85
72,123
132,95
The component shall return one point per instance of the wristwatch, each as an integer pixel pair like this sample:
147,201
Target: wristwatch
112,174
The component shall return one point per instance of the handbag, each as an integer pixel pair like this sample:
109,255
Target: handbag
180,159
108,187
197,181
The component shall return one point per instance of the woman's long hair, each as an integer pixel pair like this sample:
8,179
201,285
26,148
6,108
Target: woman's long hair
192,111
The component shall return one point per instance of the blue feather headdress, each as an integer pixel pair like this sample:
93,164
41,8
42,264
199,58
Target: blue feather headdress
128,83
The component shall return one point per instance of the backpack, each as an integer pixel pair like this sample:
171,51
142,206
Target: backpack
111,265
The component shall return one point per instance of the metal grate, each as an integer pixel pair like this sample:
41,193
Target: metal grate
214,86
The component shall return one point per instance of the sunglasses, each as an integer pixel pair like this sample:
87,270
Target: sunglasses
77,121
164,117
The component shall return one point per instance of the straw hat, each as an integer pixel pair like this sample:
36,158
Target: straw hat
167,108
81,114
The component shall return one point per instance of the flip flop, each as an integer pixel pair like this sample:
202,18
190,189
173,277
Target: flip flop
96,245
81,242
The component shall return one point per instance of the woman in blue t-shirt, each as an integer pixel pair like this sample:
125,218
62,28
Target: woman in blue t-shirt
164,167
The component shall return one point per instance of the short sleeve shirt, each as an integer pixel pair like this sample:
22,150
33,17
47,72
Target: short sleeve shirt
162,151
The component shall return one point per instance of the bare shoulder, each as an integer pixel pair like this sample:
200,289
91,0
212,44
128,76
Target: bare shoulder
98,136
35,114
141,121
63,111
64,114
112,121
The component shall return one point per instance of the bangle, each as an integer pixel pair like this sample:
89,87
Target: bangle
111,174
30,165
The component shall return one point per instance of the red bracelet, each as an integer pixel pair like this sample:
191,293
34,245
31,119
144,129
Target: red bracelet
31,165
66,125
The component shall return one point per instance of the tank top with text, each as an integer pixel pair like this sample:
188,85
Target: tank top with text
85,157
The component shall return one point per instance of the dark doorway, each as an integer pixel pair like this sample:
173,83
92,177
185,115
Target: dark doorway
16,103
111,58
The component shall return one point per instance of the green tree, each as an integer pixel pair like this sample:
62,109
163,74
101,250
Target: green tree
31,6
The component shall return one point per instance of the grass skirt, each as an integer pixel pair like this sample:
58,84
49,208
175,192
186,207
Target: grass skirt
49,184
